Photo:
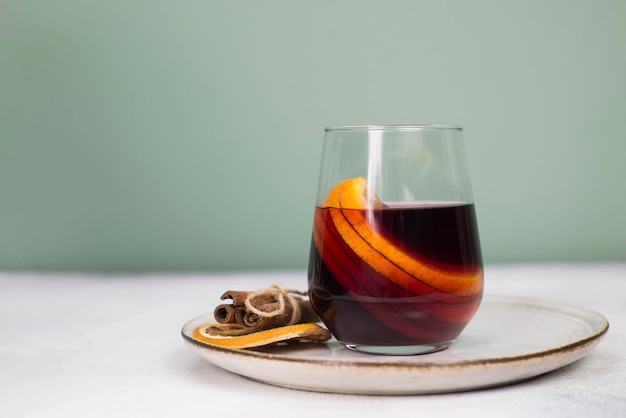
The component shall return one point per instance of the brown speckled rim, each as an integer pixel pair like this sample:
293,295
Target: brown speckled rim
400,362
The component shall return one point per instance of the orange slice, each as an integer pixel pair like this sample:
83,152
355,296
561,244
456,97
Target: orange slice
352,199
305,331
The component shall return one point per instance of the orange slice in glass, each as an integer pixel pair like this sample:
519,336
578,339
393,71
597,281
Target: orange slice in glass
352,200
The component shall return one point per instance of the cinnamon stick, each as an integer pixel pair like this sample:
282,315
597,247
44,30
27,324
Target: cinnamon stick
264,309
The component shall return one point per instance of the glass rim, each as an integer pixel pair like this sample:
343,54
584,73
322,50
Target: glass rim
409,127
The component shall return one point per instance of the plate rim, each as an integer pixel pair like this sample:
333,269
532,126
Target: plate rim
381,361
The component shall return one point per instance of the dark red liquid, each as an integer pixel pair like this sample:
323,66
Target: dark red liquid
362,305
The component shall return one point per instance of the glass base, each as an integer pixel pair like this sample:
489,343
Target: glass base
397,350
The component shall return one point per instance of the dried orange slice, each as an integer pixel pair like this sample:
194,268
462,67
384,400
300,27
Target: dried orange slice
305,331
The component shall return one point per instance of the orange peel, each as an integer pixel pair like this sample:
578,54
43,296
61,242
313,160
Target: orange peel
348,203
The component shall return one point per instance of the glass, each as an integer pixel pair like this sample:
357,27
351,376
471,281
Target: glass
395,264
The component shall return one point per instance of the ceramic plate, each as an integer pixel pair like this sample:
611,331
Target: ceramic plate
509,340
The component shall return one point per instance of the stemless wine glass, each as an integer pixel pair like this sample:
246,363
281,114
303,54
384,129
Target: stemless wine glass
395,264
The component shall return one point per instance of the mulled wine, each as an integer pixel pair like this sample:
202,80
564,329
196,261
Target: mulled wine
396,275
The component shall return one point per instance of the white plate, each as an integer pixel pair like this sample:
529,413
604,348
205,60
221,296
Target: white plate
510,339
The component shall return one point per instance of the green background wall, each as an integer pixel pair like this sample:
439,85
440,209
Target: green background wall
186,135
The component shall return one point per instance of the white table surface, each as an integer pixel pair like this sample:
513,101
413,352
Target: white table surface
102,345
